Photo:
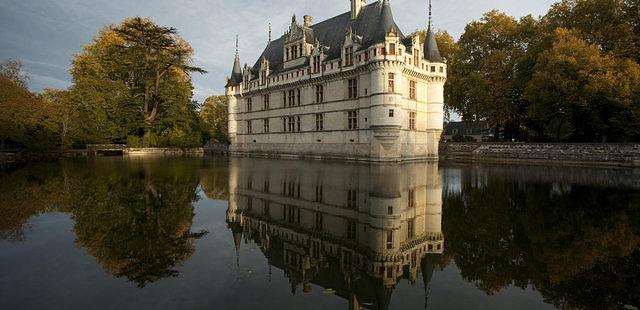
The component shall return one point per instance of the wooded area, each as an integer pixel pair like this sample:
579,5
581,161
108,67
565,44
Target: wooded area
572,75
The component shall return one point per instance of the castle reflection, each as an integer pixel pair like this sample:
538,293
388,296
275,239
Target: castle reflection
353,229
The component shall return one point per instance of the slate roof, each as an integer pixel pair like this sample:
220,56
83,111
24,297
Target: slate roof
236,73
431,51
372,24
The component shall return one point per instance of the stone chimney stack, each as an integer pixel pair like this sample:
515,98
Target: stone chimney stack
308,21
356,6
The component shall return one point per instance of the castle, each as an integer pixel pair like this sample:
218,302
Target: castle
357,229
351,87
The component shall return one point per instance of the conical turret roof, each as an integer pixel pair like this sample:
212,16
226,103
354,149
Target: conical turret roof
386,22
431,51
236,73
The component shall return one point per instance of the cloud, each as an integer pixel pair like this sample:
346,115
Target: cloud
45,34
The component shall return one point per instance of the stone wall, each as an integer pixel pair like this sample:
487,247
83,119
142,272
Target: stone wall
592,154
163,151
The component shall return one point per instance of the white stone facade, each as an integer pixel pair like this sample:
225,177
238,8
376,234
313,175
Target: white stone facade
379,102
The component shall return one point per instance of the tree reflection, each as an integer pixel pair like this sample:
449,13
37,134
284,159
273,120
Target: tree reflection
136,219
26,191
570,242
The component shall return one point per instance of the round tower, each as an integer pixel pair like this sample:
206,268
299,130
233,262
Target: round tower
232,90
386,97
437,72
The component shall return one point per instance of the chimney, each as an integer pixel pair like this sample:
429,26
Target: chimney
308,21
356,6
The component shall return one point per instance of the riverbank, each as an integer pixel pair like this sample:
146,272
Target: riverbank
621,155
27,156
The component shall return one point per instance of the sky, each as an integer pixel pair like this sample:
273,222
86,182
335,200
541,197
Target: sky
45,34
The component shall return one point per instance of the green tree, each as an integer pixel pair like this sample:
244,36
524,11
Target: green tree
214,115
612,25
583,94
485,74
134,79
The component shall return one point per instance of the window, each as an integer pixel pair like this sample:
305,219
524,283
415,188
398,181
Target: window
389,239
352,199
352,120
298,122
391,112
319,193
290,124
284,99
316,64
319,221
287,57
292,98
412,120
389,273
249,127
348,54
392,83
441,69
319,93
319,122
351,230
265,102
433,68
416,57
392,48
353,89
412,90
298,96
389,210
266,125
249,104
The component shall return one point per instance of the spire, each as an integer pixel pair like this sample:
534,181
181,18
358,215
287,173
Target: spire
431,51
385,22
269,32
236,73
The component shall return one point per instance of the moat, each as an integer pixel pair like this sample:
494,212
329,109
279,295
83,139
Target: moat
219,233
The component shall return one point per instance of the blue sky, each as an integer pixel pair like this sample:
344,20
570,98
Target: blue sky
45,34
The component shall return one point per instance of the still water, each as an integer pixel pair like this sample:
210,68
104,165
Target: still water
155,233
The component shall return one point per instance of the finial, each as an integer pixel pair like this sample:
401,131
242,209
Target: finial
430,14
237,49
269,32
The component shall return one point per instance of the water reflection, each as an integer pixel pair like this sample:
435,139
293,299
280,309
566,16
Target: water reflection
353,229
569,236
572,238
133,216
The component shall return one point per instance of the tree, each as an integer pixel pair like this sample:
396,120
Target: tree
611,25
12,70
588,95
135,79
25,121
484,80
214,115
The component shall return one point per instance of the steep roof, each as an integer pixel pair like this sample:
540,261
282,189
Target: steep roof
236,73
372,24
431,51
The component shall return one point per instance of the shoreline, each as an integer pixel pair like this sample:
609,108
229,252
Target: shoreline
544,154
533,154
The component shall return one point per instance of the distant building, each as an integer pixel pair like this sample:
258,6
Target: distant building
353,86
356,229
466,131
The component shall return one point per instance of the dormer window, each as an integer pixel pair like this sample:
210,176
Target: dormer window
316,64
348,56
392,48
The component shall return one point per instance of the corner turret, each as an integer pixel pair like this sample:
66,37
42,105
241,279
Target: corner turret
431,51
236,73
